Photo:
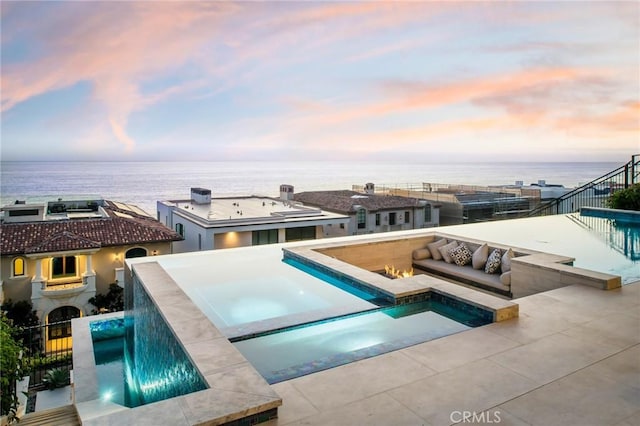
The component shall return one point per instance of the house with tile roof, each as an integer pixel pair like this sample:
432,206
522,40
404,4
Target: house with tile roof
370,212
57,255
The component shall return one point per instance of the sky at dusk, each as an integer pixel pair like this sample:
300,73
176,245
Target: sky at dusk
305,80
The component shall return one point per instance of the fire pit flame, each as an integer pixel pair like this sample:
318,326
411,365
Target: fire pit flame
392,272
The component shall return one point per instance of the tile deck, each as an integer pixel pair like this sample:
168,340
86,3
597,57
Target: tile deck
571,358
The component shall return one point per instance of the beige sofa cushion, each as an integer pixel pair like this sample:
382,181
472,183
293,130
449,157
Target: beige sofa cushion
506,260
444,251
433,248
480,256
505,278
420,254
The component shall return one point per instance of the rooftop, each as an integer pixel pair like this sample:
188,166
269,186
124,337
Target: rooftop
345,201
250,209
109,224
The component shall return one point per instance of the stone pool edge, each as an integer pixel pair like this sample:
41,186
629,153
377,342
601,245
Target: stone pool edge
235,389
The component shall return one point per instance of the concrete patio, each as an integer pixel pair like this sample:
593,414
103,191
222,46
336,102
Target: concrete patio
571,358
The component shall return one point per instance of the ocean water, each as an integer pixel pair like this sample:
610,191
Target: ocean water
145,183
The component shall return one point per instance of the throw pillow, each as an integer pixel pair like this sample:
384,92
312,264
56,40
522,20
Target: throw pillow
493,262
480,256
420,254
461,255
506,260
433,248
444,251
505,278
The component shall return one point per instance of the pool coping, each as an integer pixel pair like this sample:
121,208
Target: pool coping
235,389
405,290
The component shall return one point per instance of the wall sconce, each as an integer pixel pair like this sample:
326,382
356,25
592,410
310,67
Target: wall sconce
116,257
154,253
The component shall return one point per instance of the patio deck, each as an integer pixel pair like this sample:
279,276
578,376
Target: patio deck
571,358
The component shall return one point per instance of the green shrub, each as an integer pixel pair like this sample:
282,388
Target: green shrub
625,199
56,378
110,302
11,351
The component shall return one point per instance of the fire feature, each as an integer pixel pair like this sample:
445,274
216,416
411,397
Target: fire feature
392,272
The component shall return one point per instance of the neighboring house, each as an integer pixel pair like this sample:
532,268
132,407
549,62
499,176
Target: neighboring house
208,223
58,255
369,213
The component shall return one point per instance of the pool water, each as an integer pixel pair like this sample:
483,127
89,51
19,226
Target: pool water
110,369
266,294
318,346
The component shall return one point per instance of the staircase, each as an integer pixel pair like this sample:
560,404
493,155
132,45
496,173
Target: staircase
594,193
62,416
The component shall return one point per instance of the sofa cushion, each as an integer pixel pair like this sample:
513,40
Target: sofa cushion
505,278
420,254
480,256
506,260
463,274
461,255
444,251
433,248
493,262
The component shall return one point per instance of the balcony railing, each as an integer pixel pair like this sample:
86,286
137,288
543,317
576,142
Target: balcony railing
594,193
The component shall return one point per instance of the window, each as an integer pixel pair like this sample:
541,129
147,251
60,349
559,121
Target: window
407,217
361,218
18,267
267,236
342,226
60,321
427,213
180,229
298,234
199,241
135,252
64,266
392,218
377,219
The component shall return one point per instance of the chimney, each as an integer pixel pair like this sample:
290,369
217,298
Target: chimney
201,196
286,192
369,188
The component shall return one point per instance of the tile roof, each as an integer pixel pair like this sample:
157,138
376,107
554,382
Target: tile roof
343,201
79,234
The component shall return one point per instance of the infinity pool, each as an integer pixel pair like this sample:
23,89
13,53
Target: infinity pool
265,294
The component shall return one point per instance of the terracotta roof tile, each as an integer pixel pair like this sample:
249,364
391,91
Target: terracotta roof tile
78,234
343,201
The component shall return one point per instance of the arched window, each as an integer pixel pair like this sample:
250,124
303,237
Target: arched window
135,252
59,321
361,217
19,267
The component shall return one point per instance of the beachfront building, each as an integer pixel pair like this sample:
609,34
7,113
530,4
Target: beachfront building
57,255
207,223
369,213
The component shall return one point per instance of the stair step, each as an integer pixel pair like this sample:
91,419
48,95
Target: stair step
63,416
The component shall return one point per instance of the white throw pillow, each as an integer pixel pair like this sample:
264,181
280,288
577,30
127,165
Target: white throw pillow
444,251
480,256
433,248
506,260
